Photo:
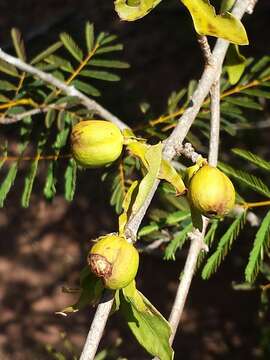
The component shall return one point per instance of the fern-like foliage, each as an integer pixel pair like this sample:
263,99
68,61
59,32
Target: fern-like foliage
240,104
224,246
260,246
253,158
46,135
249,180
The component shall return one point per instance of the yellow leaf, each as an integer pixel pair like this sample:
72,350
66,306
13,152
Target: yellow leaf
168,173
207,22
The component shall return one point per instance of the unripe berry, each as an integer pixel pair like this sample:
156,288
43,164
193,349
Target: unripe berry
114,260
211,192
96,143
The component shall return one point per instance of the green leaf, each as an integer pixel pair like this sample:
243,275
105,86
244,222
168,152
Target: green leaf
126,205
148,229
7,86
8,182
106,49
61,119
177,216
259,65
261,244
177,243
101,75
243,101
168,173
50,118
249,180
46,53
113,64
71,46
100,37
86,88
224,246
89,36
107,39
257,92
174,99
235,64
91,291
59,63
4,99
255,159
149,327
8,69
18,43
153,159
224,26
28,183
131,10
25,131
70,179
49,189
226,5
31,175
117,195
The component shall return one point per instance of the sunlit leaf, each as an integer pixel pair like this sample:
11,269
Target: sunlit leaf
149,327
261,243
207,22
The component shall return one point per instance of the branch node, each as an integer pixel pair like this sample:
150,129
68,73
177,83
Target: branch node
188,151
196,235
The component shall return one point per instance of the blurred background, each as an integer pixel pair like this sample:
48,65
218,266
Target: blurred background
43,248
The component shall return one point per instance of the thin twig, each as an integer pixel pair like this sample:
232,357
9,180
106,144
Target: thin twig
67,89
197,237
251,6
18,117
97,326
215,123
196,246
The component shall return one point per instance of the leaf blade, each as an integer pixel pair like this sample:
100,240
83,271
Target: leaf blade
261,243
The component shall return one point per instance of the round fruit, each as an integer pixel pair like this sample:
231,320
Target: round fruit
96,143
211,192
114,260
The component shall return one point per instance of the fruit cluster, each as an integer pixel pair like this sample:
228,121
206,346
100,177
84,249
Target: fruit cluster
97,143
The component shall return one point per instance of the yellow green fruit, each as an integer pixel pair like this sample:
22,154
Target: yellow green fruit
96,143
211,192
114,260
